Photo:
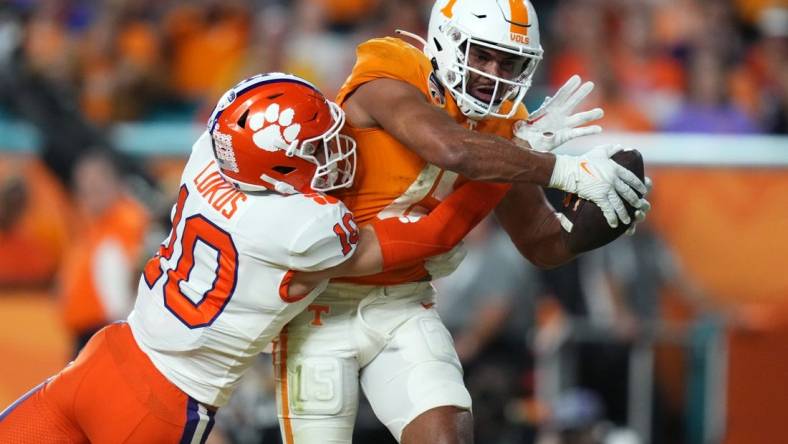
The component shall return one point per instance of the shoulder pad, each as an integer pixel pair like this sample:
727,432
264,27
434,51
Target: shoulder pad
387,58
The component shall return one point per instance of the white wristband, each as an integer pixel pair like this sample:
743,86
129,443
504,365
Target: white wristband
564,173
566,224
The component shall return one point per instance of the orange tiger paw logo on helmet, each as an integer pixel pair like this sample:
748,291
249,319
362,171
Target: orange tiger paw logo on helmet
274,129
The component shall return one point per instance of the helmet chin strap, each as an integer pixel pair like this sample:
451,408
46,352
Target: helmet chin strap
327,174
413,36
279,186
290,151
467,109
333,168
464,103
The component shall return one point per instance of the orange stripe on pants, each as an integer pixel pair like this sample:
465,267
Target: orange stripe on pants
288,426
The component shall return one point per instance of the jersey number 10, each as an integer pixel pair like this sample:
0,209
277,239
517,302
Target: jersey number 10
213,301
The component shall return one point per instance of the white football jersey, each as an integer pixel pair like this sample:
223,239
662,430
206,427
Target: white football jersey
210,300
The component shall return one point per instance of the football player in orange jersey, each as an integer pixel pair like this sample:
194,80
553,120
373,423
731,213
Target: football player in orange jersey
427,122
253,243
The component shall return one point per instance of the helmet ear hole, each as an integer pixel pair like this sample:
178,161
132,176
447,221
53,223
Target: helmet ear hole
437,44
283,170
242,119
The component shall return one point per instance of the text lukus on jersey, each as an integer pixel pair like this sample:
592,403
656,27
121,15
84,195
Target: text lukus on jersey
221,194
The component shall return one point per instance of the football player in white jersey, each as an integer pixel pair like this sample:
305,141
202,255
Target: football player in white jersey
253,242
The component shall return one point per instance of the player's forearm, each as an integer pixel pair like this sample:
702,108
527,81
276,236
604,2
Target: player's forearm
550,251
545,247
533,227
442,229
477,156
491,158
403,112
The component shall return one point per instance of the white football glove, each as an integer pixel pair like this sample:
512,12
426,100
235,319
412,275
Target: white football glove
553,124
595,177
444,264
642,212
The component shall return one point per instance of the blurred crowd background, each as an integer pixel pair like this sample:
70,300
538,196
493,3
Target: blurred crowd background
672,65
676,335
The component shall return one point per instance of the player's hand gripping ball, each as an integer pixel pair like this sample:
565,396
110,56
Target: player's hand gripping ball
589,228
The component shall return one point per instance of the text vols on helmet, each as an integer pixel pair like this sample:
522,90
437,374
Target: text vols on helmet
519,38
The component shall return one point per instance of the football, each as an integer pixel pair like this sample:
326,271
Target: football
590,229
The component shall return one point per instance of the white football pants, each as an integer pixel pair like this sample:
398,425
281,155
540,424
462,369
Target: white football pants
389,338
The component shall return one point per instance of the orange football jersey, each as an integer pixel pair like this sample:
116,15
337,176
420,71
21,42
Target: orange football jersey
391,180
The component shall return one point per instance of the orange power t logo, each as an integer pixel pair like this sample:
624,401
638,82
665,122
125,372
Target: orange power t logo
519,22
317,310
448,10
584,166
519,17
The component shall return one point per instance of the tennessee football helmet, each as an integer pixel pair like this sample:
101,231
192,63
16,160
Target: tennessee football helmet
278,132
508,26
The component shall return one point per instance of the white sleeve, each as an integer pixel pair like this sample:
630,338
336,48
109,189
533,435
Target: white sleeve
298,233
325,241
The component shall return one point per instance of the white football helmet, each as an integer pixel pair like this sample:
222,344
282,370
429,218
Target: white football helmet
509,26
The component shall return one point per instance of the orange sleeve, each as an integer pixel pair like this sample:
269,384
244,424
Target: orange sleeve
386,58
404,243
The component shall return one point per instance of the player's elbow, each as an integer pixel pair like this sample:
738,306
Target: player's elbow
442,148
546,255
549,263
